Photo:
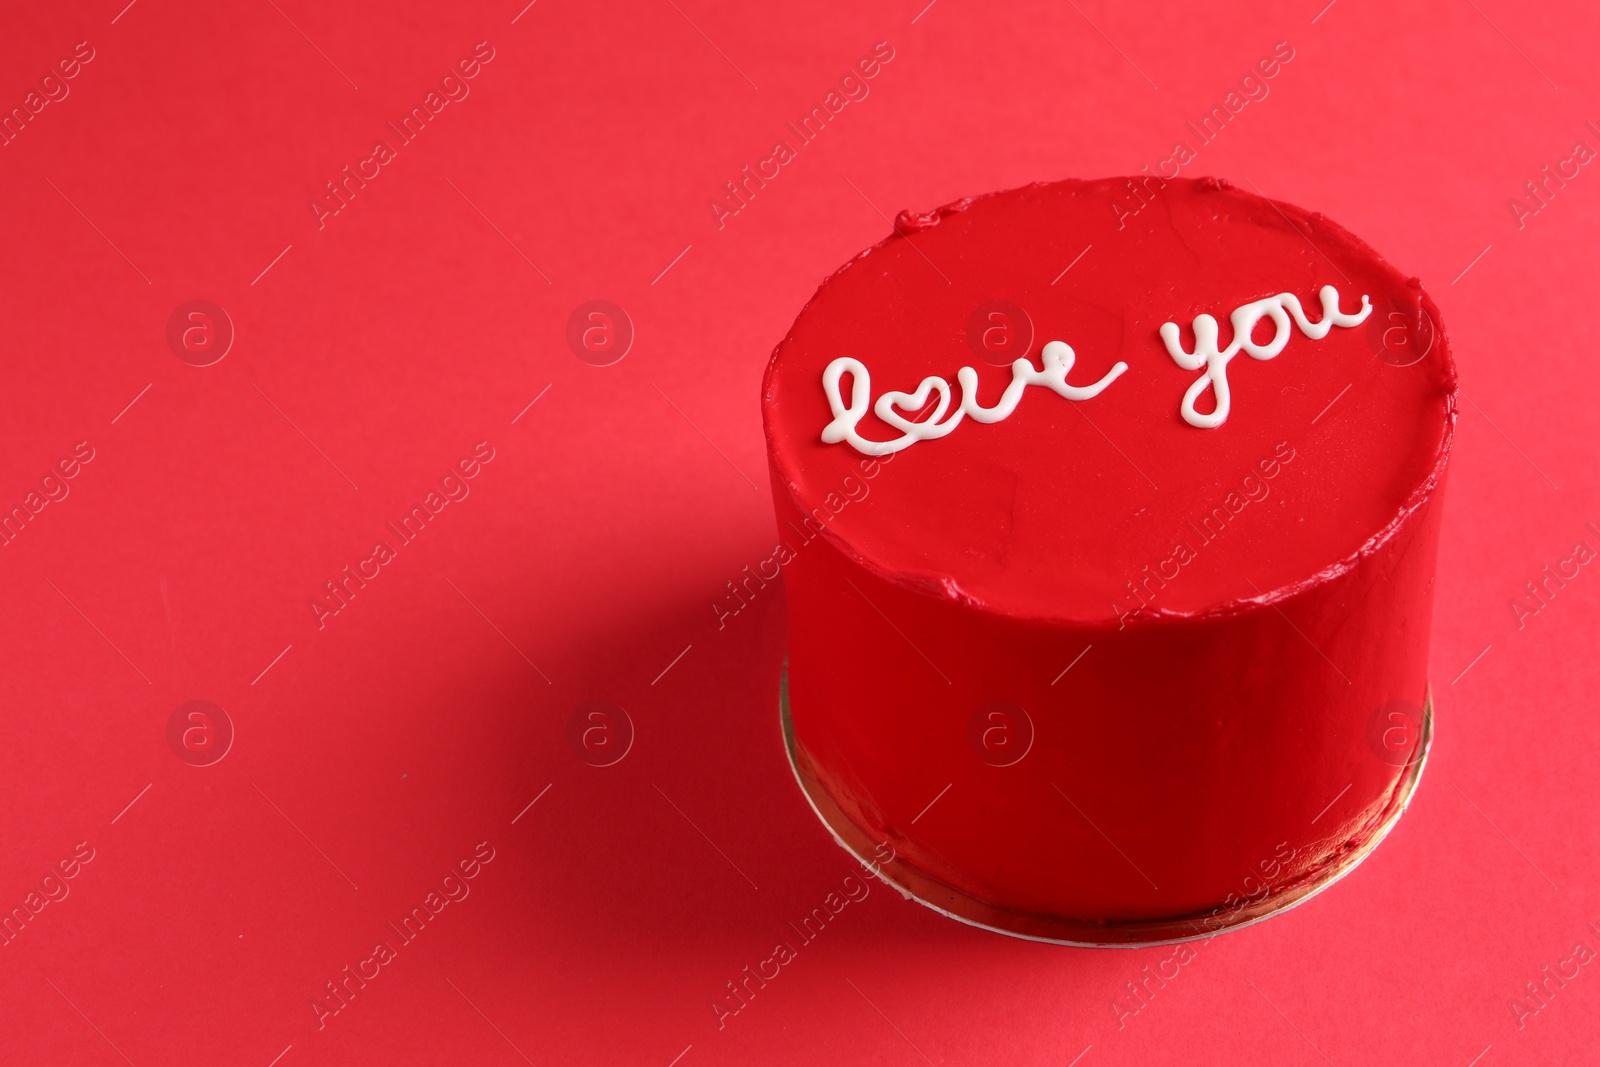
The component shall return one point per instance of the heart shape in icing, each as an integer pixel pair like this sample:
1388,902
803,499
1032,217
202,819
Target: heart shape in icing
892,403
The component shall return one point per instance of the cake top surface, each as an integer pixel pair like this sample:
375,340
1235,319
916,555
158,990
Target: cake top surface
1049,447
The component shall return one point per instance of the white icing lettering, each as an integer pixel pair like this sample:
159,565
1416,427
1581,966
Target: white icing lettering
892,406
1244,319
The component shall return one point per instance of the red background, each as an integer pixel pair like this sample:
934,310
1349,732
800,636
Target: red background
423,718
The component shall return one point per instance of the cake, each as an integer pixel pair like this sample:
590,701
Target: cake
1107,516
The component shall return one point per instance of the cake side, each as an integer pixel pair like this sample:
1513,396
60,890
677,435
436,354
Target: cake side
1160,764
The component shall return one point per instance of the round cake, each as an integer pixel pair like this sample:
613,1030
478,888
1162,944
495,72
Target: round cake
1107,515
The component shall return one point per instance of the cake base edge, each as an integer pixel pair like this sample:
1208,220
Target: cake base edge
921,887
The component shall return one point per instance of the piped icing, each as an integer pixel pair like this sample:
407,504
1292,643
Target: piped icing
1057,356
1244,319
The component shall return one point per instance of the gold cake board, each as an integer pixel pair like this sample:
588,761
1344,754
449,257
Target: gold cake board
916,884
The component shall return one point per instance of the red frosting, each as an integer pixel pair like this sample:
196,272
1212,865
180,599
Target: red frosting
1251,596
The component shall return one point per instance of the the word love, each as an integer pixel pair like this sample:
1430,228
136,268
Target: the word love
893,407
1245,319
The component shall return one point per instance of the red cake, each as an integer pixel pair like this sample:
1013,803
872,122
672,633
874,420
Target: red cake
1108,513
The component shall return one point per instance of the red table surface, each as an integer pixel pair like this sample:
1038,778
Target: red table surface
414,727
